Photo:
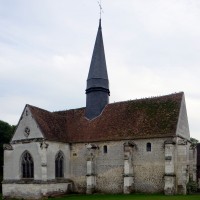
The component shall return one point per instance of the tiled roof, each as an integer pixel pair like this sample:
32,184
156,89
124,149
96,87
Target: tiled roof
53,126
143,118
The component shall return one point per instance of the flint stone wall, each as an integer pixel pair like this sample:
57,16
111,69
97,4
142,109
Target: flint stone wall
148,167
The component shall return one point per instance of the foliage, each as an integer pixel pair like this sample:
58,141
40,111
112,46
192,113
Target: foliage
192,187
194,142
6,132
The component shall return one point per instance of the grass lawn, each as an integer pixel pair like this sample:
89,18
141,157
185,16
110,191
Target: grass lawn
128,197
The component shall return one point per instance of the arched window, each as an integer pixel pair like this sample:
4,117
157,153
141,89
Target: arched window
27,165
148,146
59,165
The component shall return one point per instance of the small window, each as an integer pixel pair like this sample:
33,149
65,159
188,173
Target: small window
148,146
27,165
105,149
74,154
26,112
59,165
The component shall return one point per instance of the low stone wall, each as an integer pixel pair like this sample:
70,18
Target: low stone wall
34,191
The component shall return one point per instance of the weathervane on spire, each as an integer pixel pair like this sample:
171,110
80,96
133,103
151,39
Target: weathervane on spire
101,9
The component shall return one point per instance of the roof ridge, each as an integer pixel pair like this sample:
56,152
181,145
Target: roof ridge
35,107
148,98
68,110
43,110
81,108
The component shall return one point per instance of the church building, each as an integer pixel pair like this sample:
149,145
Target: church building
132,146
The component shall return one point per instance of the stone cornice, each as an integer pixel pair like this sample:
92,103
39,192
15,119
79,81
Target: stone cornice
7,147
27,141
32,181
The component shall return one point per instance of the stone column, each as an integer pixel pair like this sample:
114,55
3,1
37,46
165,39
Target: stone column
8,162
91,182
128,167
182,165
43,153
91,176
43,148
193,163
170,177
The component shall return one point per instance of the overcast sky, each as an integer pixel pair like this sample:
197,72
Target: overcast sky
152,48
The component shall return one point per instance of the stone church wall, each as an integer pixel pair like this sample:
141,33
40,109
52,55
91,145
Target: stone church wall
148,167
109,168
33,191
78,167
182,165
193,163
183,127
12,163
44,160
106,162
53,149
27,120
44,183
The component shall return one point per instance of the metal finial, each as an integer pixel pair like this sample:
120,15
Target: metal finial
100,7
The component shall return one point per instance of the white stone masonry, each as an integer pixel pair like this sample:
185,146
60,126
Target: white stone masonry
128,167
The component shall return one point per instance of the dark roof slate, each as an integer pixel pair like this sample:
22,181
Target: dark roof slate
98,76
98,67
142,118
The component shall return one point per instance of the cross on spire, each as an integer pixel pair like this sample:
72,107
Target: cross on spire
100,7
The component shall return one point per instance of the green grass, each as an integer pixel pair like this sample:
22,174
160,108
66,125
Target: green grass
128,197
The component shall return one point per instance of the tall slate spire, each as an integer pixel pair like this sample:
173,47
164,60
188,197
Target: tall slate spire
97,92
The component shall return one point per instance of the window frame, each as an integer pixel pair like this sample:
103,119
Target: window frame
105,149
59,165
27,166
148,147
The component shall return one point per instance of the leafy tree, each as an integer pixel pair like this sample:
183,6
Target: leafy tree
6,132
194,142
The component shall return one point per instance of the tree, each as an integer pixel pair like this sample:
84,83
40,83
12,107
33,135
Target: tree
6,132
194,142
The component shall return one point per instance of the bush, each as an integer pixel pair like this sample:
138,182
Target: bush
192,187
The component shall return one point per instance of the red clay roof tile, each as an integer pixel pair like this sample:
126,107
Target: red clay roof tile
143,118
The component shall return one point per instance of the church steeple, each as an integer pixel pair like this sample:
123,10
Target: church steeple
97,92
